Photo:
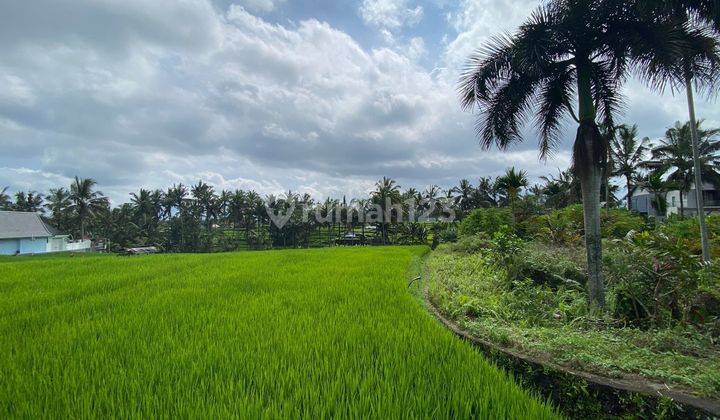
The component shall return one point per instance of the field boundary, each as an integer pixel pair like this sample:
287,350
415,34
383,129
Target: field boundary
617,396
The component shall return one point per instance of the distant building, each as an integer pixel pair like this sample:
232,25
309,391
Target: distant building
642,201
27,233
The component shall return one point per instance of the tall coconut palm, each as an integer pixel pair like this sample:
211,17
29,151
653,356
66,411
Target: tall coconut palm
386,193
696,64
148,209
58,203
204,196
30,201
86,202
628,153
465,198
566,50
174,199
674,154
485,194
5,202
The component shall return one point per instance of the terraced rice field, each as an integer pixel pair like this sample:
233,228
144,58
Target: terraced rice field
314,333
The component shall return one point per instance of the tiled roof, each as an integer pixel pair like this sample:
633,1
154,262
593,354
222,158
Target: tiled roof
18,224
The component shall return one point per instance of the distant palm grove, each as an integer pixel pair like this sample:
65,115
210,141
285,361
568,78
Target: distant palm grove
197,218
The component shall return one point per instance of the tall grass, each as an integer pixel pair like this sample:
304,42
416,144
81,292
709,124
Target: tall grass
314,333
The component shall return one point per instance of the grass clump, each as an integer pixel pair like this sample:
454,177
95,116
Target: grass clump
278,334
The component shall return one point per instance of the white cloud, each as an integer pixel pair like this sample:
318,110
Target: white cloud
261,6
245,103
390,15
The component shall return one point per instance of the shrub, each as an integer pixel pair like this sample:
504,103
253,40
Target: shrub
443,234
535,305
550,267
505,244
653,278
616,223
486,221
471,244
565,226
555,229
689,230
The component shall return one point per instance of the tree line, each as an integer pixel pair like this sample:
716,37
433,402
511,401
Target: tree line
197,218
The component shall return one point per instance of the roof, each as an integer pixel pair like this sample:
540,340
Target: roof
18,224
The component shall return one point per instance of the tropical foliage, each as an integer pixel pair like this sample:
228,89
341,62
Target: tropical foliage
581,50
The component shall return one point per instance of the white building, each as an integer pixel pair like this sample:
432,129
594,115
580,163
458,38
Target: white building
642,201
27,233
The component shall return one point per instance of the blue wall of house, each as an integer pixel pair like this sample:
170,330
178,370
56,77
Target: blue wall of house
33,246
24,245
9,246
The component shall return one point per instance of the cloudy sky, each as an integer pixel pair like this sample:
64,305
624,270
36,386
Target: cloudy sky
318,96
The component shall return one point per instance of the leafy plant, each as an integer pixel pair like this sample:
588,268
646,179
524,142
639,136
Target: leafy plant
564,227
654,278
472,244
487,221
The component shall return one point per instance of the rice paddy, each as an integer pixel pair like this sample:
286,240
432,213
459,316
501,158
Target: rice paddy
313,333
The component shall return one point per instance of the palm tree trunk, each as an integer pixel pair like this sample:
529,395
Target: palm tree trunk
696,164
589,155
590,184
682,205
629,193
607,190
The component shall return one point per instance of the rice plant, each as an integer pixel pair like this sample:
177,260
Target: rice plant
279,334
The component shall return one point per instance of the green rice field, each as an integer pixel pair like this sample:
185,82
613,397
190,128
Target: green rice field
277,334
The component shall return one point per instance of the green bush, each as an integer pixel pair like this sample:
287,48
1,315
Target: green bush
534,305
565,226
549,267
442,234
689,229
616,223
505,245
486,221
653,279
471,244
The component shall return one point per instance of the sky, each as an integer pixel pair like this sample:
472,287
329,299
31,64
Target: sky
315,96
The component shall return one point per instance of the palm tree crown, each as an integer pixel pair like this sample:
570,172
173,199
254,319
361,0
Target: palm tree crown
674,156
627,154
85,201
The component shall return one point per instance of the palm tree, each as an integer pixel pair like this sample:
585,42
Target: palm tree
148,207
465,192
5,203
697,62
561,191
204,196
567,49
628,153
58,202
658,189
30,201
486,193
675,154
85,201
173,199
511,183
386,193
